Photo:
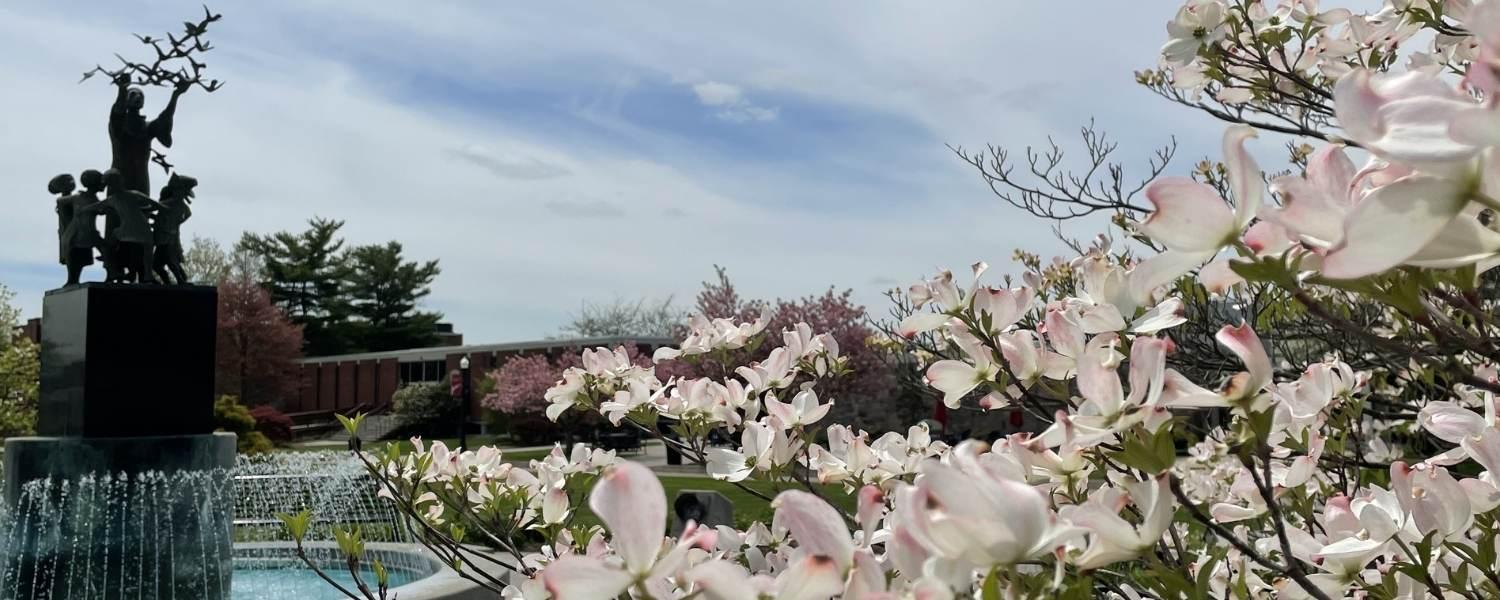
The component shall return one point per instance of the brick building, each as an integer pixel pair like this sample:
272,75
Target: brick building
366,381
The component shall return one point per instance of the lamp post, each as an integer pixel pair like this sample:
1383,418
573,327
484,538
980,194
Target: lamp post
463,419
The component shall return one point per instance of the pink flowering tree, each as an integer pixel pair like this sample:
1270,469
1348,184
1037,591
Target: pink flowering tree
519,388
1384,230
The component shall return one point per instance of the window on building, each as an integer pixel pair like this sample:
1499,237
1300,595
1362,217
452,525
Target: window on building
422,372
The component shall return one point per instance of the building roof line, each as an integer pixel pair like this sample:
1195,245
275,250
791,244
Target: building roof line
442,352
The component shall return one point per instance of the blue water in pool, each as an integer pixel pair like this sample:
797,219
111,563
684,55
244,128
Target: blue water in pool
301,584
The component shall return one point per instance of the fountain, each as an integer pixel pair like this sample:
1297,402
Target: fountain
340,493
127,490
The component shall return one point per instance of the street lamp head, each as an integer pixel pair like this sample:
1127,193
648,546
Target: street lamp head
463,363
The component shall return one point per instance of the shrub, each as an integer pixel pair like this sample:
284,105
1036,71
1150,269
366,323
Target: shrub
233,417
273,424
518,393
427,408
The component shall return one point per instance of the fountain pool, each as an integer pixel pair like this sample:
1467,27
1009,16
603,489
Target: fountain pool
262,584
269,570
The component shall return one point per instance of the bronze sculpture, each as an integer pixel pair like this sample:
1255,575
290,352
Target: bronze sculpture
78,234
130,134
167,227
142,240
134,238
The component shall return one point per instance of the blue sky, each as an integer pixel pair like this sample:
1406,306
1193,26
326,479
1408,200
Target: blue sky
555,153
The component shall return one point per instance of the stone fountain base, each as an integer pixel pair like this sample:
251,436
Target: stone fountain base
140,517
33,458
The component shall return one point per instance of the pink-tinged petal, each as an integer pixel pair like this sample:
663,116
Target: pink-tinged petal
1218,277
816,413
665,353
1404,118
905,552
921,323
1148,369
814,577
1314,207
931,588
1178,391
870,509
780,410
1452,457
1055,366
1098,381
817,527
1392,224
1063,333
1020,352
1266,237
631,502
1004,307
576,577
721,580
1464,241
1358,106
1100,318
1350,550
1163,269
727,465
1243,342
1229,513
1478,126
1450,422
866,579
1483,495
555,505
1189,216
1331,173
1166,314
954,378
1485,449
1244,175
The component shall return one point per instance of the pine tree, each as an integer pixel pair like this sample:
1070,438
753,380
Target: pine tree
304,273
383,291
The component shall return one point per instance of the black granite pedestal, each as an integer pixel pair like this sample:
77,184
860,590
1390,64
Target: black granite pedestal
127,360
127,491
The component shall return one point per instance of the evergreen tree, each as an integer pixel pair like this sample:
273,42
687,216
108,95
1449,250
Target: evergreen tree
305,273
383,291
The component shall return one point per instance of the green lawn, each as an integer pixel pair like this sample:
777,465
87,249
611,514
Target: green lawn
747,507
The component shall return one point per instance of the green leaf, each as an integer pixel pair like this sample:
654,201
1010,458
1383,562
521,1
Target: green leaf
381,577
350,542
296,525
351,425
1205,578
1152,453
1269,269
990,589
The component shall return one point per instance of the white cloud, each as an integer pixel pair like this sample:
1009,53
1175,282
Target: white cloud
713,93
730,101
508,166
313,123
585,209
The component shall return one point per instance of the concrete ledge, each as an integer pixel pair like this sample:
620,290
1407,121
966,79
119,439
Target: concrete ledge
442,583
